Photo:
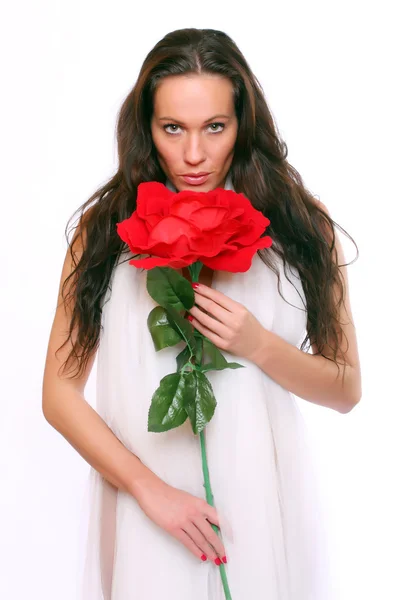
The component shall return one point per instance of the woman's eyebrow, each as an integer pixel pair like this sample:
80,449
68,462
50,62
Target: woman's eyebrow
182,123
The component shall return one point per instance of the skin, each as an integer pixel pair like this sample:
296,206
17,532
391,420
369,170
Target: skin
190,144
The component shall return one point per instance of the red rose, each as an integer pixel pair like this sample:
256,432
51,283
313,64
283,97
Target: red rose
220,228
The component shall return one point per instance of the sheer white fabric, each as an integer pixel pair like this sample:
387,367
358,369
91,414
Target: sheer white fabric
263,475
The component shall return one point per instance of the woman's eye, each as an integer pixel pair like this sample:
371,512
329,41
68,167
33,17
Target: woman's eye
218,125
222,125
169,125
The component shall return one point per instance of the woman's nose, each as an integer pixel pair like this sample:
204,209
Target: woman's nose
194,151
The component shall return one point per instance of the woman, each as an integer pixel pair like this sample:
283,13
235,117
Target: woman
197,108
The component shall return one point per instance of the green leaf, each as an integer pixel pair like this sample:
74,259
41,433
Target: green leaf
229,365
183,358
183,326
216,356
200,404
167,409
217,360
162,331
170,289
199,349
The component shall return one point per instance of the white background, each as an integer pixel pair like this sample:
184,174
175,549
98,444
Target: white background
334,74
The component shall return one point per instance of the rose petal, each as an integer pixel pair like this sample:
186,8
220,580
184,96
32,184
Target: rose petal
210,216
133,232
237,261
153,198
169,229
155,261
149,263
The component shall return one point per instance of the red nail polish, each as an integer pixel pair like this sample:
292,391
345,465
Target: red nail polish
224,559
190,317
218,561
203,557
195,285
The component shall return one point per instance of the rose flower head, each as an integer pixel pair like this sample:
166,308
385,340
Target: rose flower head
219,228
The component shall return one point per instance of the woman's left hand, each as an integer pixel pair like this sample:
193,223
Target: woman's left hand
229,325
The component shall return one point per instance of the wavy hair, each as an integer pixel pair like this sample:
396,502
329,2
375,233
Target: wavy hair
303,233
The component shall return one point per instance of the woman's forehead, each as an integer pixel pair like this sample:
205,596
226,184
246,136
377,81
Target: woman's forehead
198,98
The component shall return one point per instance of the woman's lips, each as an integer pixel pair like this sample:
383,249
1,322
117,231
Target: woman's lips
195,180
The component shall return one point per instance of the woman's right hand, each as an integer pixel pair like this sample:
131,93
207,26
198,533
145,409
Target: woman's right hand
186,517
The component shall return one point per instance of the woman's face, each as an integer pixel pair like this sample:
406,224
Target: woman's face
194,129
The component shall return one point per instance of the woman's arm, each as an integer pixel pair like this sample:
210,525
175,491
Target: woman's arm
186,517
312,376
231,327
66,409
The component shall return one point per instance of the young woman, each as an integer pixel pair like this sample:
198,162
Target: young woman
196,109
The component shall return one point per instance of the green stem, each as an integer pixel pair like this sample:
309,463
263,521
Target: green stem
194,272
210,500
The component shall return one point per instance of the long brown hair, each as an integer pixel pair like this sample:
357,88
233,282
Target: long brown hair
260,170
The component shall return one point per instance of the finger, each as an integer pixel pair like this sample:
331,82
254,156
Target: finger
195,533
183,537
211,536
213,308
213,324
215,339
211,513
217,296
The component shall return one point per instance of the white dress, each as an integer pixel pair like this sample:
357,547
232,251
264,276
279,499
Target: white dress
261,469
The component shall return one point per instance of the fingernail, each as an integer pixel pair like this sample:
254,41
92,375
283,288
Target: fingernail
203,557
190,318
218,561
195,285
224,559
